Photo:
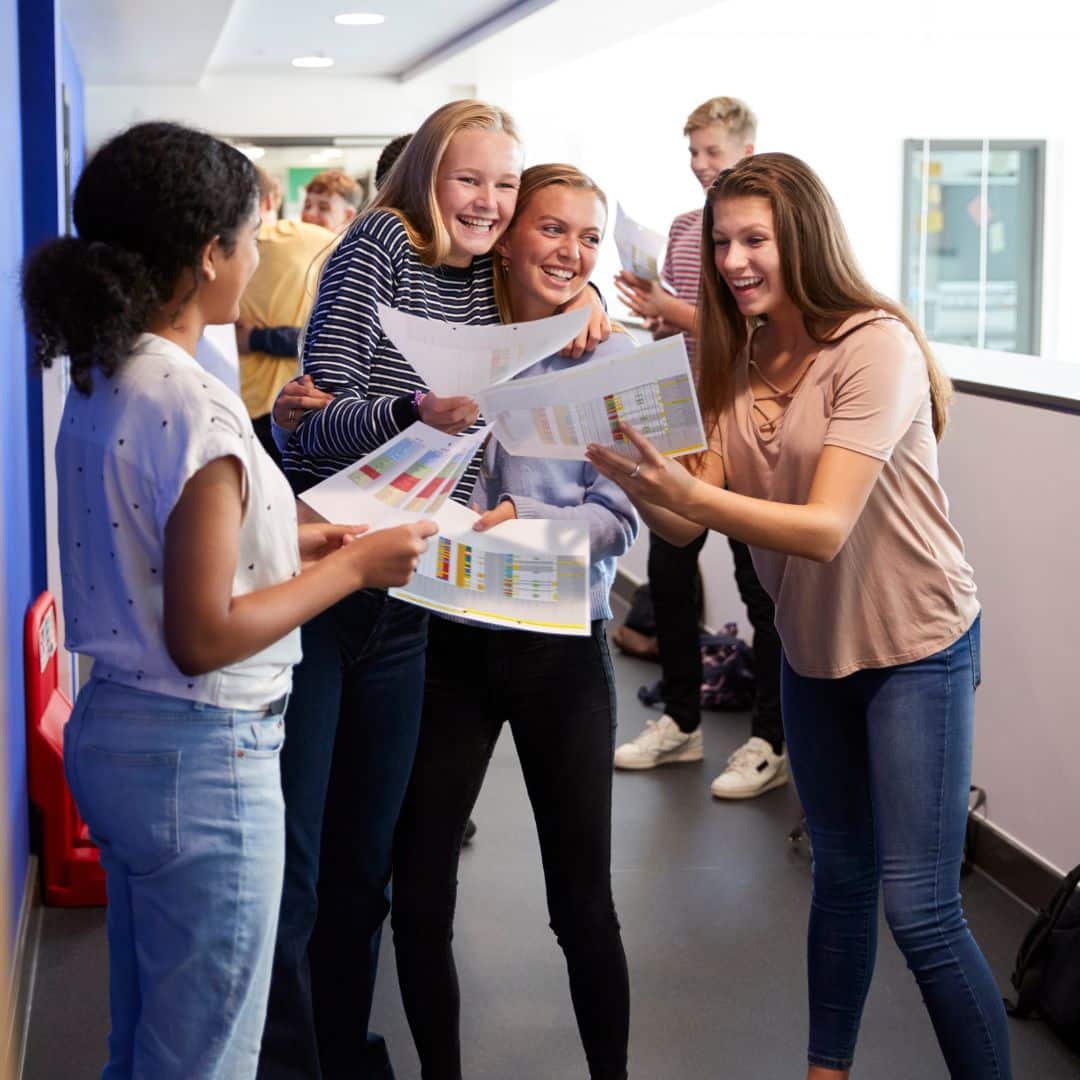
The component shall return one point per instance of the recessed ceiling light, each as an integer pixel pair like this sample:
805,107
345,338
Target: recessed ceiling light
359,18
312,61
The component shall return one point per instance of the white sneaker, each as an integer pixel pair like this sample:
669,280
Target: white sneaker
752,770
661,743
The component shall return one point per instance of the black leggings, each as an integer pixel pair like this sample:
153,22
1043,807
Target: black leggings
558,696
673,580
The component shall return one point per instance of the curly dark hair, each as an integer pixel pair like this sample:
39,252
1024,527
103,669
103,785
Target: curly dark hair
146,205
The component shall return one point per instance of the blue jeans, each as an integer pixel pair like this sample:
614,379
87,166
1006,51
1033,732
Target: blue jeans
184,801
344,784
882,761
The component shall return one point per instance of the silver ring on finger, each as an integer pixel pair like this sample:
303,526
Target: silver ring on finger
637,469
292,413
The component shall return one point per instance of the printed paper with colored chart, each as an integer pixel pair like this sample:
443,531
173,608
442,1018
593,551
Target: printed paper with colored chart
406,479
558,414
524,574
639,248
527,574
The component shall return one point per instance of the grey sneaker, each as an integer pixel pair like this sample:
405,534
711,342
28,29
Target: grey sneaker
661,743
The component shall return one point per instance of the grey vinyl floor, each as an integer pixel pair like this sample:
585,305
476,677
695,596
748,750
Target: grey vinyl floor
712,900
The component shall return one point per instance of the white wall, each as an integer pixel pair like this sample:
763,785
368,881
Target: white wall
840,83
293,105
1010,474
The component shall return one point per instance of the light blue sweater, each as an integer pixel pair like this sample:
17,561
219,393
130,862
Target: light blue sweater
567,490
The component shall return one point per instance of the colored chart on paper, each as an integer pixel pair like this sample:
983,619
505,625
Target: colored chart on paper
531,574
403,480
558,414
641,406
386,462
397,490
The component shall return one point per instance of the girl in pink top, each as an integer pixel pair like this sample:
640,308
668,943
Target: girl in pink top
824,405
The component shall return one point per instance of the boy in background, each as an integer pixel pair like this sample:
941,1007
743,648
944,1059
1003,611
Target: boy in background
720,131
275,305
331,199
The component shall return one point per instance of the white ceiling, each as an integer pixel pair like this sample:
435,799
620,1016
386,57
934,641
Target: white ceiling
134,42
143,41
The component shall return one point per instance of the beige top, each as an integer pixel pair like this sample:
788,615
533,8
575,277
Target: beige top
900,589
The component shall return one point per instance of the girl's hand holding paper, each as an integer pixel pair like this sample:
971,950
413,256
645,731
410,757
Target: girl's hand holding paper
655,478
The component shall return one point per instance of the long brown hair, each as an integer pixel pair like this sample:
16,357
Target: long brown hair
819,270
534,179
409,188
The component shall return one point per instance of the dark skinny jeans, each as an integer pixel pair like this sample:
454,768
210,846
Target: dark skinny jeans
558,696
673,581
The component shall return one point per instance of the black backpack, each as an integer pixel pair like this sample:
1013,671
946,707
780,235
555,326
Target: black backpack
727,670
1047,975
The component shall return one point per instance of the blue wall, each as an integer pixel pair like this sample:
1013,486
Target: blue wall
34,53
18,540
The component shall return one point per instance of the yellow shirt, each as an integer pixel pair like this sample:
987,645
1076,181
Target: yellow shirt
280,293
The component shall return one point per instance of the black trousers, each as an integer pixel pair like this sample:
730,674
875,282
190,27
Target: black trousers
674,584
558,696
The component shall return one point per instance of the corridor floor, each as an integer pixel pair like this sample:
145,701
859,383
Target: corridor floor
712,898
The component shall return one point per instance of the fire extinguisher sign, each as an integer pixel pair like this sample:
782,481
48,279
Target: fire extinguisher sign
47,639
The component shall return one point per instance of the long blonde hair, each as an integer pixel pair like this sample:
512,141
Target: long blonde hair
409,191
533,180
819,271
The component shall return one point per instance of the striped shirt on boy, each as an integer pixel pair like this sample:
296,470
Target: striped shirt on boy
682,263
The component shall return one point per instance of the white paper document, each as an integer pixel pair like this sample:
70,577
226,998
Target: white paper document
531,575
639,248
406,479
558,414
453,358
528,574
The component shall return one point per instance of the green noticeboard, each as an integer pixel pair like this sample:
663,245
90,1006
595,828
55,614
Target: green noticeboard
297,180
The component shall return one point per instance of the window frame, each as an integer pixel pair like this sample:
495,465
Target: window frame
1053,390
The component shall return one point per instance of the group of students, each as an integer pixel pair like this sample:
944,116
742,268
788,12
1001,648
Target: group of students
248,873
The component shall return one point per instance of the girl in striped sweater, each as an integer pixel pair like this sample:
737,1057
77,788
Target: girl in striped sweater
422,247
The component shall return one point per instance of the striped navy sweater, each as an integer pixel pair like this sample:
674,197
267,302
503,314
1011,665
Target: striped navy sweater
347,354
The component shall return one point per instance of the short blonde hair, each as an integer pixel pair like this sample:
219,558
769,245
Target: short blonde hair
409,190
730,113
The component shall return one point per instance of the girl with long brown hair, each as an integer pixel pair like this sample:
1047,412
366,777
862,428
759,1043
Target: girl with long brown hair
824,405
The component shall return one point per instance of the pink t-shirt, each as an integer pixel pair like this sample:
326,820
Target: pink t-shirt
900,589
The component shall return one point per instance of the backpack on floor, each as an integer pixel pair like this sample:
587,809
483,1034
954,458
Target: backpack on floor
727,671
637,635
1047,975
727,674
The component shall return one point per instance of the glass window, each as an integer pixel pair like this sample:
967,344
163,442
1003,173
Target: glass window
973,241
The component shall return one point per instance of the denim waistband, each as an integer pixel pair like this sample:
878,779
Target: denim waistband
134,697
